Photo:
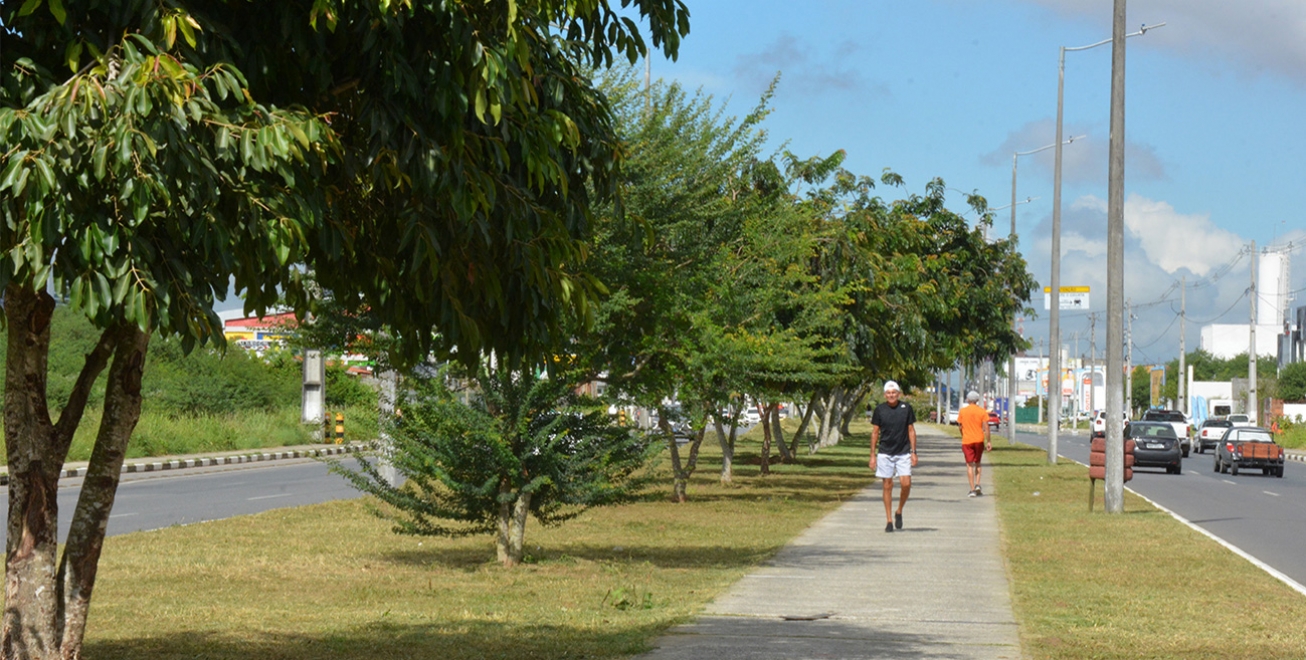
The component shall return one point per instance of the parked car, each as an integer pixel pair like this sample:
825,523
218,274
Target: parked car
1155,445
995,420
1249,447
1209,433
1177,421
952,416
1239,419
1099,423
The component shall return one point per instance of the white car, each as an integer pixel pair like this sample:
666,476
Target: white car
1239,419
953,416
1099,423
751,416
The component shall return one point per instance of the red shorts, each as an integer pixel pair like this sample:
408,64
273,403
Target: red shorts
973,451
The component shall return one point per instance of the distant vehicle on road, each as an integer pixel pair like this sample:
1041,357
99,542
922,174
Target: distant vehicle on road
1209,433
952,416
1099,423
1155,445
1248,448
1239,419
751,416
1177,421
995,420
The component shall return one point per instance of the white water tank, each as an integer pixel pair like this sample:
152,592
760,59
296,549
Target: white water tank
1272,289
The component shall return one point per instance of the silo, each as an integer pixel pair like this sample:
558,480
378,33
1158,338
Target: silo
1272,288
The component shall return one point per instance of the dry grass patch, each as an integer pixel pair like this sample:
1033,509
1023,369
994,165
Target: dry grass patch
331,581
1137,585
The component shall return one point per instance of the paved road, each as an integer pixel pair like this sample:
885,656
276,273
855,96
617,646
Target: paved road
1264,516
156,500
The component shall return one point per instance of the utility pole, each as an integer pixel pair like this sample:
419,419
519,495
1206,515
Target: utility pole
1129,359
1114,484
1253,407
1037,377
1092,363
1183,370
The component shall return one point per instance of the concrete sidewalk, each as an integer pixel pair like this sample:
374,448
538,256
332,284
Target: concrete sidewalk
847,589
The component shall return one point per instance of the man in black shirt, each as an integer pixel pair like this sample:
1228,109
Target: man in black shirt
893,449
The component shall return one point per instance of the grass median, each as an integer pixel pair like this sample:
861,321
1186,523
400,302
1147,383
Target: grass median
331,581
1136,585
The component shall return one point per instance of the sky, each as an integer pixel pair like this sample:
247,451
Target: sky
1215,130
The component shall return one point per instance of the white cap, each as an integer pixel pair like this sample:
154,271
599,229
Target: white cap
891,386
973,396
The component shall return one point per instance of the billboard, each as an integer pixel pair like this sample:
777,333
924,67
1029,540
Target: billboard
1158,382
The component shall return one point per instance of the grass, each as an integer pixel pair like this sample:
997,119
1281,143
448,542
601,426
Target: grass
331,581
1137,585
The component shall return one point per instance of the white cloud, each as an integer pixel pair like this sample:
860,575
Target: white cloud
1082,161
1257,37
804,69
1174,240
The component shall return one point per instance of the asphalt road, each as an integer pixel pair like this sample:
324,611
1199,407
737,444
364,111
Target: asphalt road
181,497
1263,516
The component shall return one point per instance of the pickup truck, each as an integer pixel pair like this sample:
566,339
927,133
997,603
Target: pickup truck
1249,447
1178,422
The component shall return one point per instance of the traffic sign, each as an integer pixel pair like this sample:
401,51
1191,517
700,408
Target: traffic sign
1072,297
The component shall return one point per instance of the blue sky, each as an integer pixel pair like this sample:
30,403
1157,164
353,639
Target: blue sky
1215,127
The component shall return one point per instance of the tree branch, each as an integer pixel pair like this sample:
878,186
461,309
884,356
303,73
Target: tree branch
71,416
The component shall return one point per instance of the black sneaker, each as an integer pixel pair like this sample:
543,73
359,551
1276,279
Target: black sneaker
888,527
897,521
978,492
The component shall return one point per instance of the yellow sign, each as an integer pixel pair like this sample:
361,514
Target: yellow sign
1068,289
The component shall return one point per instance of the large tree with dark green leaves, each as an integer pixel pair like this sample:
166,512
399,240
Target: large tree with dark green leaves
433,162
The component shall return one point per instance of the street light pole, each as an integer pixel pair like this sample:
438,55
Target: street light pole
1011,364
1054,320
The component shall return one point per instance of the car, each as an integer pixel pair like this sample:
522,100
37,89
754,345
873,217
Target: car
1155,445
995,420
952,416
1099,423
1209,433
1239,419
1249,447
1177,421
751,416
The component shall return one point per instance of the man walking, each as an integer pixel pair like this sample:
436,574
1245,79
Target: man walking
975,438
893,449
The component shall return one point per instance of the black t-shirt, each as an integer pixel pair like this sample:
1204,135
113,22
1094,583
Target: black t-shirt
893,422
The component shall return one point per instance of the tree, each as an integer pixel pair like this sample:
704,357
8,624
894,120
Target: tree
482,460
1292,382
435,163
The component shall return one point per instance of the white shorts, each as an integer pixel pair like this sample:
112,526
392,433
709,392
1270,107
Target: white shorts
888,466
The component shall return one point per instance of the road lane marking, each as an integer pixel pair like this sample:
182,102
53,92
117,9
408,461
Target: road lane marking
124,515
1229,482
1269,493
267,497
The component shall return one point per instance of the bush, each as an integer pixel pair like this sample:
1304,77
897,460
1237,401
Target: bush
1292,382
209,382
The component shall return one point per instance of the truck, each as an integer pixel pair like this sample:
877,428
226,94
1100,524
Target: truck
1177,420
1249,448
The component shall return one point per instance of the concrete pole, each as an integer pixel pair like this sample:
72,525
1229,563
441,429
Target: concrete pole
1183,371
1054,320
1115,448
1092,365
1037,376
1253,407
1129,356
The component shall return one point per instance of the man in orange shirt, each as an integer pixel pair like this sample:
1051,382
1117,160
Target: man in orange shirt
974,423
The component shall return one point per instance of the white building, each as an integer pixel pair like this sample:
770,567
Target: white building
1226,340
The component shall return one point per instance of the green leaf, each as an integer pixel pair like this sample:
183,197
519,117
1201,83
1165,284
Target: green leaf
74,54
57,10
29,7
98,158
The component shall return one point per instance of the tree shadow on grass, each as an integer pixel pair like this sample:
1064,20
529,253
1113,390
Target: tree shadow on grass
688,556
453,641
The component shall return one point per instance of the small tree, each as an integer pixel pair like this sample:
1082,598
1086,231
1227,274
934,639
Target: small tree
479,461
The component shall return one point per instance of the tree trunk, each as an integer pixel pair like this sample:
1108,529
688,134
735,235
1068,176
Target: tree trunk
830,413
510,542
122,409
850,408
681,471
777,431
766,439
802,426
31,604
